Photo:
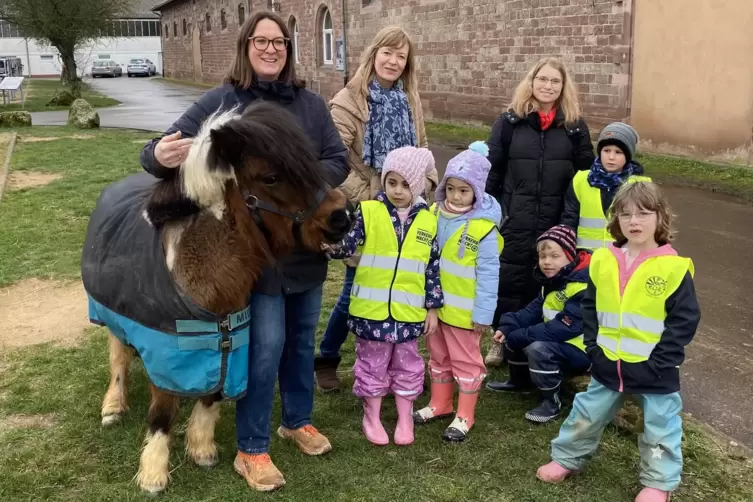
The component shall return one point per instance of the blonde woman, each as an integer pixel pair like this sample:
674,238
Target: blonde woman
535,148
378,111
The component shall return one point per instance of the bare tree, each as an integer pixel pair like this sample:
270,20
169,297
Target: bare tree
64,24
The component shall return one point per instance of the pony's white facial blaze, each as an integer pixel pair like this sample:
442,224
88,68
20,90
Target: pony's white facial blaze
204,186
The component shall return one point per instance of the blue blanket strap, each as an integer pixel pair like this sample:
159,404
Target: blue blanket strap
230,323
196,343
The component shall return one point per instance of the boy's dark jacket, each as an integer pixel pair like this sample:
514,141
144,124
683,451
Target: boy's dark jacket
661,373
527,325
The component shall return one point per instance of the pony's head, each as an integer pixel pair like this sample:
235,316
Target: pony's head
264,158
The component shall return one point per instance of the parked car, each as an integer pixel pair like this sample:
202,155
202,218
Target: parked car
141,66
106,69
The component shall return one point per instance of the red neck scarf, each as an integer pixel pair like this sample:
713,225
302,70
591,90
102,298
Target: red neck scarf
547,119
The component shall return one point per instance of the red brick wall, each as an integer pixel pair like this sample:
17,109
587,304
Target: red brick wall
471,53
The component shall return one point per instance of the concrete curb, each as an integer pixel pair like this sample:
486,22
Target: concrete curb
6,165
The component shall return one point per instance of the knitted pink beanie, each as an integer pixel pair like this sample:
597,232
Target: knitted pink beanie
412,164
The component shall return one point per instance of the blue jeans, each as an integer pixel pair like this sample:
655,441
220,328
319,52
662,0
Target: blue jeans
660,445
547,361
337,327
281,346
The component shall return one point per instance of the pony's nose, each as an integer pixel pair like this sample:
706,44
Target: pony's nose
341,220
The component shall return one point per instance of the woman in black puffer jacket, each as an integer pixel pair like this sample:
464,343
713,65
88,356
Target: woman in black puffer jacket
535,149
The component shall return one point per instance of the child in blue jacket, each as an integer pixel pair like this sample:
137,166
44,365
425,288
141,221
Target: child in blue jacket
546,337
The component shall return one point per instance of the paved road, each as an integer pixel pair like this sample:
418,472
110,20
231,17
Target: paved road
147,103
714,230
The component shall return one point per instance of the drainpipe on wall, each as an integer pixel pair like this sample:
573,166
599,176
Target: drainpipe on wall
344,11
162,44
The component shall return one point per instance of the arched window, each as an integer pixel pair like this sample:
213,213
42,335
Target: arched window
175,28
293,28
241,14
223,19
185,28
167,31
208,22
327,38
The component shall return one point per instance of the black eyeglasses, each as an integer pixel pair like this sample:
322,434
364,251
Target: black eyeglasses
261,43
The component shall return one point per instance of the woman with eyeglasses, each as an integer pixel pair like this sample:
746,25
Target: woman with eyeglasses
378,111
286,302
535,148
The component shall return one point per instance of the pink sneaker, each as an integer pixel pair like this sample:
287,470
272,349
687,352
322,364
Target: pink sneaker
553,473
653,495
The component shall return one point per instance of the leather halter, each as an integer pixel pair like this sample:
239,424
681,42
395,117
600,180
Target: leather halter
256,205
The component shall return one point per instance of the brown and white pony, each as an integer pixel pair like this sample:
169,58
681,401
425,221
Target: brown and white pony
249,191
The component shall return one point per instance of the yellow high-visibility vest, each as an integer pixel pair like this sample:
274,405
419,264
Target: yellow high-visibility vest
390,279
554,303
458,275
631,324
592,224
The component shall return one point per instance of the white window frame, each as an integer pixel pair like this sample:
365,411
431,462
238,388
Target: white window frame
296,49
327,33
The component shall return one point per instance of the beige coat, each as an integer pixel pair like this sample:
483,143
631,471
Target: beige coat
350,111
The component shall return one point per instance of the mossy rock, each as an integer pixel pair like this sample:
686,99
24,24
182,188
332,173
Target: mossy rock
83,115
62,97
15,119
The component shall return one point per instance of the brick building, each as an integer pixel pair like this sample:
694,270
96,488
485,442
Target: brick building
472,53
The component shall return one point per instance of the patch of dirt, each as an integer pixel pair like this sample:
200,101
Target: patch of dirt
27,422
30,179
39,139
35,311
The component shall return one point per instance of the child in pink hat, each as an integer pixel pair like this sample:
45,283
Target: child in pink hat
396,291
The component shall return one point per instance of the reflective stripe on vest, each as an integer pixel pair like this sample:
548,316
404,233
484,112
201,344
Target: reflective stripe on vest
458,275
554,303
592,224
390,278
632,323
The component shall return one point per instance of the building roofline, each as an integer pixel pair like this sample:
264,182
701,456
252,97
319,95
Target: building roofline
161,5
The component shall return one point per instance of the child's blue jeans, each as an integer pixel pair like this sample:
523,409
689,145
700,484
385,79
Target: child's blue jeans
660,445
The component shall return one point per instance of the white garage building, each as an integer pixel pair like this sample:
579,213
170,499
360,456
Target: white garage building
136,35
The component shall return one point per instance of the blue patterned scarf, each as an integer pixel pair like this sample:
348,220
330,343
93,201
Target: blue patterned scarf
599,178
390,124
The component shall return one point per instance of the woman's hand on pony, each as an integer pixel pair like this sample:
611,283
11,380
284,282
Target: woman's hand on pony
171,151
432,322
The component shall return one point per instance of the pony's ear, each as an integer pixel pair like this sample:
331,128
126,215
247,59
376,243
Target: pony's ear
227,148
167,202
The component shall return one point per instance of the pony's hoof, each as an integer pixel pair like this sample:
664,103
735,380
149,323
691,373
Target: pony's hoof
153,486
206,461
112,419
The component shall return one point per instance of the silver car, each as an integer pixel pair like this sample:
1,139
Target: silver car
106,69
141,66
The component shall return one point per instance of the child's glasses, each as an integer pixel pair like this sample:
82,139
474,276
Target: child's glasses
640,215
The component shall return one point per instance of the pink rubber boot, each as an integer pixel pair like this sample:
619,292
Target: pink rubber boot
553,473
404,430
372,424
653,495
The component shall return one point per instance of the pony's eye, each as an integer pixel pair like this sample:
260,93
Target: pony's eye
269,180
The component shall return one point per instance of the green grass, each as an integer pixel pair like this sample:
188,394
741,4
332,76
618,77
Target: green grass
39,91
42,229
74,459
683,171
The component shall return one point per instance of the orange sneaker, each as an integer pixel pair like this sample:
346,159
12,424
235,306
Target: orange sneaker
258,471
309,440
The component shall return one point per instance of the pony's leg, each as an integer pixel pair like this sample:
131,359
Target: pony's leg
154,466
115,402
200,445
